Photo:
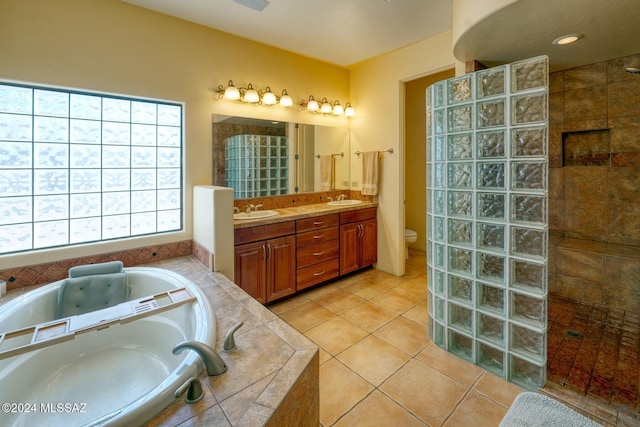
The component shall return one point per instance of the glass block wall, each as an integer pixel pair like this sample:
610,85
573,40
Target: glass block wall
487,218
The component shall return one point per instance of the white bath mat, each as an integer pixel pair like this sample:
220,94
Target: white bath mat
535,410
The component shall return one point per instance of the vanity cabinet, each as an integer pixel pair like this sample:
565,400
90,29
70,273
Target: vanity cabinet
265,260
358,239
318,243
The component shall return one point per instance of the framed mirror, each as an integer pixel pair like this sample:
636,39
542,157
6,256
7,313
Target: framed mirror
261,158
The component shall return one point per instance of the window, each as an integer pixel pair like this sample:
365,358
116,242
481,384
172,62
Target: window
78,167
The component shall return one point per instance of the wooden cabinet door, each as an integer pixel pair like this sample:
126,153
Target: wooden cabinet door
368,242
281,267
250,269
349,236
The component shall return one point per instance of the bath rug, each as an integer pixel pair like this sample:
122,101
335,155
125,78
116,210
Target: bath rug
536,410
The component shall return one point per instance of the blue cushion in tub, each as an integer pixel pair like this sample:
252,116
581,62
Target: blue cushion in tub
92,269
90,288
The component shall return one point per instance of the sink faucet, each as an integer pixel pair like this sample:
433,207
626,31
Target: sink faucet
256,207
249,208
342,197
236,210
214,364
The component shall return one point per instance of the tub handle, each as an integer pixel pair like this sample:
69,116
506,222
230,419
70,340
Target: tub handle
193,388
229,341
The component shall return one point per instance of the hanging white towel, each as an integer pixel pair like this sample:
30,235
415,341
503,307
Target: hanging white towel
370,173
326,172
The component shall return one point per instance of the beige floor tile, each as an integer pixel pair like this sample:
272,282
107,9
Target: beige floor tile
321,291
453,366
335,335
348,280
288,304
395,301
373,359
369,316
419,313
366,288
405,334
339,301
377,410
340,390
324,356
478,411
416,288
497,389
376,275
392,282
424,391
306,316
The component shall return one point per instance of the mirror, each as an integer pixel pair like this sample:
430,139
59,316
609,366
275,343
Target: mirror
259,158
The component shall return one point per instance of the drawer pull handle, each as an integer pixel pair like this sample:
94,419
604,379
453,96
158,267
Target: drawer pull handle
320,273
318,253
319,236
318,222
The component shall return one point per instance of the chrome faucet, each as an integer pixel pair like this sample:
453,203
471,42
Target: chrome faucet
214,364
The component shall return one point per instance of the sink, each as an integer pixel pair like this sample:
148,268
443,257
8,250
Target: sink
344,202
255,215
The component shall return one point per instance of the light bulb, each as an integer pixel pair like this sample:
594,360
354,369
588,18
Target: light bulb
285,99
337,109
313,104
325,107
349,111
251,95
231,92
268,98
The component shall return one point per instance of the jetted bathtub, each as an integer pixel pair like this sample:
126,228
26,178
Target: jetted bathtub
121,375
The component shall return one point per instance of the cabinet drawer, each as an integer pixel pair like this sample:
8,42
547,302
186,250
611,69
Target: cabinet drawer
317,222
317,236
357,215
317,253
318,273
263,232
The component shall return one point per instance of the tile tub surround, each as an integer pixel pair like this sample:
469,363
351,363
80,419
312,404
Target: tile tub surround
30,275
273,376
595,272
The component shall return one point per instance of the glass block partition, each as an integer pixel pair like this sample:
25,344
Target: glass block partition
257,165
487,164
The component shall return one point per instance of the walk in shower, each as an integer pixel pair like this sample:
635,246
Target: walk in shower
487,211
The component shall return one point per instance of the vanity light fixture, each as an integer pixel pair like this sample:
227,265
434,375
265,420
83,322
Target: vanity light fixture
568,39
325,107
252,96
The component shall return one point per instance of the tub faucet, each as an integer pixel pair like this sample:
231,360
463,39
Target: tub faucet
214,364
193,388
229,341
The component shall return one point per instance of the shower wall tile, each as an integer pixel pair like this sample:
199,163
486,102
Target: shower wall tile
622,298
556,108
555,146
585,220
582,265
556,82
586,76
556,215
625,160
616,68
625,134
588,183
585,104
579,289
556,183
621,272
623,223
623,185
623,98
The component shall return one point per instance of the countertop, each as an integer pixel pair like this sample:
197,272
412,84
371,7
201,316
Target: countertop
300,212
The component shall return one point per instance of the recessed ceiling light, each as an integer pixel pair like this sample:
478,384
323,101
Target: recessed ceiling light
568,39
254,4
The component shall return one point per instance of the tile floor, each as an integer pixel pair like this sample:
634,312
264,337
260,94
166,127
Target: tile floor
593,357
377,364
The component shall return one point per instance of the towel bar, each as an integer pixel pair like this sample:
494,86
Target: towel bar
388,150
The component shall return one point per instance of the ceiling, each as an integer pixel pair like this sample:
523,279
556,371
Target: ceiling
345,32
341,32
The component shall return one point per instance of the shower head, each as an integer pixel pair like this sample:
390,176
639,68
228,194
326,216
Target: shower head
632,70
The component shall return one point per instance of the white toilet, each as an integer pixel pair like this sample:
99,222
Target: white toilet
410,237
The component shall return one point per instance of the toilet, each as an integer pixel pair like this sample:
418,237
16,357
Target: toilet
410,237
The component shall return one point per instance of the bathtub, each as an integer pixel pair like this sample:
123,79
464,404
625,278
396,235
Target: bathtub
119,376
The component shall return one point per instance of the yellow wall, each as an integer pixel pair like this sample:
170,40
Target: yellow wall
114,47
377,91
415,170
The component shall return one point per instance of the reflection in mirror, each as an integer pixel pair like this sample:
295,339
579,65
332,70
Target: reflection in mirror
259,158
